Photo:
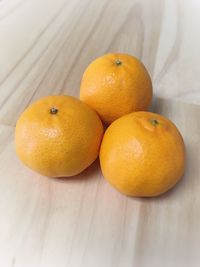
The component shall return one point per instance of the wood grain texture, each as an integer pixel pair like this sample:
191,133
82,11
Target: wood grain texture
83,222
46,45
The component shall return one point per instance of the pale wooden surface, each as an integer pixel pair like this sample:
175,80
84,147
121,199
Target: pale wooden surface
45,46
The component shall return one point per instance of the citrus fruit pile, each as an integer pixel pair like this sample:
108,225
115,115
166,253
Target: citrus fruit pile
141,153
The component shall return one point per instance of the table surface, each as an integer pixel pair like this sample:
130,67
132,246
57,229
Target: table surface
45,46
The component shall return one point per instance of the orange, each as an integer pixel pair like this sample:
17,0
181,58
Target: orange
115,85
58,136
142,154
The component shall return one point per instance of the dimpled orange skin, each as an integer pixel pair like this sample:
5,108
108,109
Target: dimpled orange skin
142,154
115,85
60,144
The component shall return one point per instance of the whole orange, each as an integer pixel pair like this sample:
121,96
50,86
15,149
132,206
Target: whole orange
58,136
115,85
142,154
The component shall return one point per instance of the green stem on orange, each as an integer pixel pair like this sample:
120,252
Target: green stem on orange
53,111
154,122
118,62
